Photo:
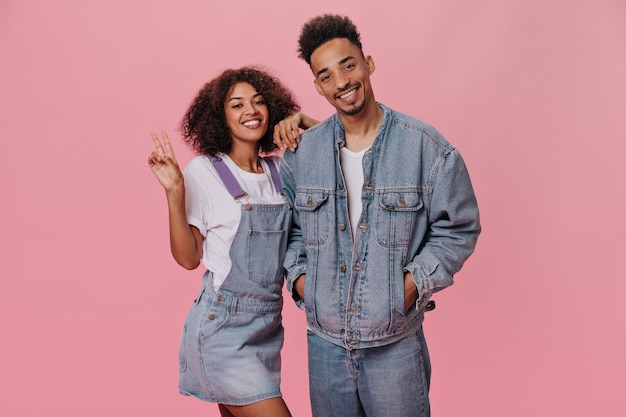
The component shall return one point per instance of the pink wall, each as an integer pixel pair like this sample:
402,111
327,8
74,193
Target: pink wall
532,92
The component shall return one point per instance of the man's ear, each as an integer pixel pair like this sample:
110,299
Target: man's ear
370,64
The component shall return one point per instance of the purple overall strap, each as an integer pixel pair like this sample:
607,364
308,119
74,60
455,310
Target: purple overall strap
227,177
275,175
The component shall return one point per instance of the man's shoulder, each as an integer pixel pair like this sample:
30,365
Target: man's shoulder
407,120
412,126
322,128
317,136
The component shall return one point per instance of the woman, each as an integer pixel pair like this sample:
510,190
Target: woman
227,212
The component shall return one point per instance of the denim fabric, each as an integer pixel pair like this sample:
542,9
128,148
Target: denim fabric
419,215
386,381
230,349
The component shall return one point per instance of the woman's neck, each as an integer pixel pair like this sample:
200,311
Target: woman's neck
247,159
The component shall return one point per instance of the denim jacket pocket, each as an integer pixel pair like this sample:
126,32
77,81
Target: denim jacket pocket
396,217
313,211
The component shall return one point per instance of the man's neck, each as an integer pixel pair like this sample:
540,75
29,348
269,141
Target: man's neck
361,129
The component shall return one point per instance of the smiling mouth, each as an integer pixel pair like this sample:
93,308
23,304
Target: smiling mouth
252,123
348,94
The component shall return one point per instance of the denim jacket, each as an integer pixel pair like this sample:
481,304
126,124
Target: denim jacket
419,215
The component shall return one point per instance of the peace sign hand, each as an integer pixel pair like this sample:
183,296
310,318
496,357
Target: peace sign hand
163,163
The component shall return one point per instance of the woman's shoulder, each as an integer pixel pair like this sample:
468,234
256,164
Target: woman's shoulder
198,164
275,158
200,169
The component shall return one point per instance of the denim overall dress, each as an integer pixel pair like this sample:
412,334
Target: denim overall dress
232,337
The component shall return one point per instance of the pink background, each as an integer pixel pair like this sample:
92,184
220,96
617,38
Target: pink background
532,92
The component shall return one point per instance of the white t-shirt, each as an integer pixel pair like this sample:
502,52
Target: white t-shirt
352,167
216,214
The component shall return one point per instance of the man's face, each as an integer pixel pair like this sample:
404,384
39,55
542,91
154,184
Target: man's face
342,75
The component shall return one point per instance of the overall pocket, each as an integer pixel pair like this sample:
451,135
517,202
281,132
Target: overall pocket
266,252
215,317
182,355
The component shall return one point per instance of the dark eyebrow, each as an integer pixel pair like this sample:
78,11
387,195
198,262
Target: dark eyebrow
323,70
343,61
346,59
241,98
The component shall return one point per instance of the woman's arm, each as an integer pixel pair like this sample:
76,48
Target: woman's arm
185,240
287,131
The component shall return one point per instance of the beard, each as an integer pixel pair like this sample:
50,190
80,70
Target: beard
354,109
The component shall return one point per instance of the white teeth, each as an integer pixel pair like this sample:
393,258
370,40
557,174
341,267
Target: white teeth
251,122
347,95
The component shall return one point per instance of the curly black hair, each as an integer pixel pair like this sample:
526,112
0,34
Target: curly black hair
322,29
204,126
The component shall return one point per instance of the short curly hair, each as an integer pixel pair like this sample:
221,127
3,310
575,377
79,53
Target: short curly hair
204,126
322,29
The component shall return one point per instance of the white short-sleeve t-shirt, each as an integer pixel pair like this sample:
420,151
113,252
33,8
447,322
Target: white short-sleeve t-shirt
216,214
352,167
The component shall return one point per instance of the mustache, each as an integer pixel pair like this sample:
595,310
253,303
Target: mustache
346,88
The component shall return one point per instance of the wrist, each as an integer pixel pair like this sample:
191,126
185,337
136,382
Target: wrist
175,193
298,285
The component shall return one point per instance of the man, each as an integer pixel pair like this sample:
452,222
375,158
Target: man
385,215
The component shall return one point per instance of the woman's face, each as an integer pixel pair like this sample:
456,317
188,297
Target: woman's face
246,113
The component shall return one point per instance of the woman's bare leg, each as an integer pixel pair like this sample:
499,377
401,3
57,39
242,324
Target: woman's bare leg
272,407
224,411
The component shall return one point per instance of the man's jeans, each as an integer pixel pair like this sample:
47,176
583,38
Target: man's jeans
385,381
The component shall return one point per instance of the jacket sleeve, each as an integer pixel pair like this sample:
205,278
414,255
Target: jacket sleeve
295,257
454,228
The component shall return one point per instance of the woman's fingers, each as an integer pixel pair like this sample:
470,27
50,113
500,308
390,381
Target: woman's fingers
157,143
164,149
167,144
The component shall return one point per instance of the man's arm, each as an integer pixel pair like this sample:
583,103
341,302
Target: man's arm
295,258
454,229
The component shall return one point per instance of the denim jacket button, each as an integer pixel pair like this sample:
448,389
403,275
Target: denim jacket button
342,268
342,227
